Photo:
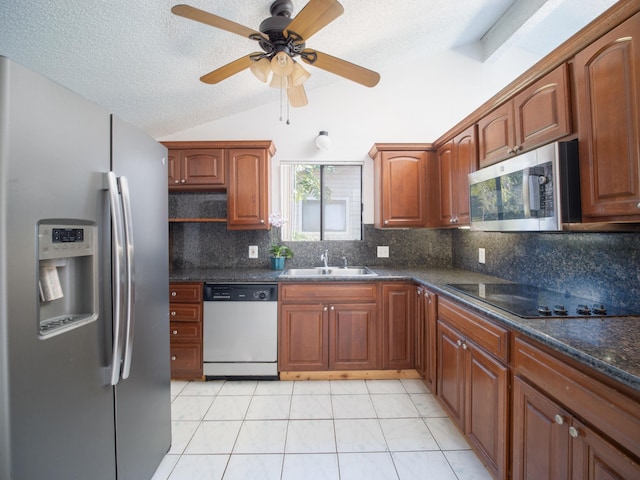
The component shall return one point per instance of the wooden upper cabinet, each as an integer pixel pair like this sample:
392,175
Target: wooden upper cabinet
607,75
537,115
456,160
248,189
496,135
196,169
400,192
543,110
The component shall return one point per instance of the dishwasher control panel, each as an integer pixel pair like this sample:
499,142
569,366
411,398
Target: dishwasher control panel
214,292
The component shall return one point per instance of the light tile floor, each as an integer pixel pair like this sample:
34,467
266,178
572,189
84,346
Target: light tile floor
314,430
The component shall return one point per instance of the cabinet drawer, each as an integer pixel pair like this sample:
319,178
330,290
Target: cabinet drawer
185,292
603,407
344,292
186,358
185,331
486,334
185,312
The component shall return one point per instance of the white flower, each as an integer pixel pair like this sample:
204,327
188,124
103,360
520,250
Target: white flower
277,220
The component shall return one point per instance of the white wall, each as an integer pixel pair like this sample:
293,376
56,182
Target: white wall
417,102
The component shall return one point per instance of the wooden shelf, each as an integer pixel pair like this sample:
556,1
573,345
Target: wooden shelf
197,220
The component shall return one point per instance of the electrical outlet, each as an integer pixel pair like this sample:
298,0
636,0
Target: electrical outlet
253,251
481,255
383,252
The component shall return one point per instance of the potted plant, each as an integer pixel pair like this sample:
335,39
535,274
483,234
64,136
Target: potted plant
278,255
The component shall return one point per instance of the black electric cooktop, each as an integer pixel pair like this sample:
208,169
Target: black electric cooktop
532,302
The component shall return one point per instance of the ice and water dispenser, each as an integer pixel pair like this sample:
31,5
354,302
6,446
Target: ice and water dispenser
68,275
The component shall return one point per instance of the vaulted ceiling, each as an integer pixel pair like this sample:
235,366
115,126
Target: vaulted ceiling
143,63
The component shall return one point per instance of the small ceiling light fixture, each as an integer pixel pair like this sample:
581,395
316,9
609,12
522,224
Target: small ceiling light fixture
323,142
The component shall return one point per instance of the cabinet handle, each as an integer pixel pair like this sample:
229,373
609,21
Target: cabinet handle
173,358
175,332
173,294
173,314
574,432
559,419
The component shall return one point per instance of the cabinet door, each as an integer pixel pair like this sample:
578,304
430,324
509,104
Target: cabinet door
540,435
173,167
403,199
203,166
487,408
397,323
446,168
466,161
542,111
248,190
594,458
451,371
353,337
303,338
430,308
608,83
420,354
496,137
186,361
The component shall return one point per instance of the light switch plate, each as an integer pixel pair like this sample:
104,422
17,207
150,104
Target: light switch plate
253,251
383,252
481,255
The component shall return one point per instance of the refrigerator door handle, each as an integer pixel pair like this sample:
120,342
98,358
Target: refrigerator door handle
129,291
117,271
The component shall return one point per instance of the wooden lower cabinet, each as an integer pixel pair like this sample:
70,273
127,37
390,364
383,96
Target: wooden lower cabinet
185,328
472,384
567,424
398,325
319,334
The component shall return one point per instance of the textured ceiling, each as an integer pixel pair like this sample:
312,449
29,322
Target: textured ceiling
143,63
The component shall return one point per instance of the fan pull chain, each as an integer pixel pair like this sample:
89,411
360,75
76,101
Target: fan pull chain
280,98
288,123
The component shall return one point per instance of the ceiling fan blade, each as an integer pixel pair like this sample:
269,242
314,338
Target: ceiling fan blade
345,69
316,15
207,18
227,70
297,96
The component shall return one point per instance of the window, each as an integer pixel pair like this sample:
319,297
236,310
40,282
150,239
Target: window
334,214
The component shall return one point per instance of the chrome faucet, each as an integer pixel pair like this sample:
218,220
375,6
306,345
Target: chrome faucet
325,257
344,259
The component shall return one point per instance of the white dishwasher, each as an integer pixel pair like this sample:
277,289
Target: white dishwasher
240,332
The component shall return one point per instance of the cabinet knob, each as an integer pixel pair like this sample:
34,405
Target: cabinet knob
176,181
459,342
325,309
183,181
173,358
173,314
464,346
559,419
574,432
332,308
509,151
261,221
173,294
175,332
638,205
386,222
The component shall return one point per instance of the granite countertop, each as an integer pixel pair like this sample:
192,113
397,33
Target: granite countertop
608,345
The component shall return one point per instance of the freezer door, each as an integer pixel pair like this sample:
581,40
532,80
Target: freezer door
143,410
54,150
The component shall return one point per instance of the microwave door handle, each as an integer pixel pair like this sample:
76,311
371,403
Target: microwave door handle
526,193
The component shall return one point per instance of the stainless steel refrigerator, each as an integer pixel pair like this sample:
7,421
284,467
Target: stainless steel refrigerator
84,347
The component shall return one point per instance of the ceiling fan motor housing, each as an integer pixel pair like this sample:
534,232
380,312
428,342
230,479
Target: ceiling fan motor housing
274,28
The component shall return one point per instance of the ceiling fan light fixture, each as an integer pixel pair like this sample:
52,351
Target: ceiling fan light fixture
279,81
261,69
282,64
299,75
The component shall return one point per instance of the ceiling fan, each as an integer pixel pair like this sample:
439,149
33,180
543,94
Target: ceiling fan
281,39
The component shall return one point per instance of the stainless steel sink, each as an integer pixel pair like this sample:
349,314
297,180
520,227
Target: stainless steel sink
329,272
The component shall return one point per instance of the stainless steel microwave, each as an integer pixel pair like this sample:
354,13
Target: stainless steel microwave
535,191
